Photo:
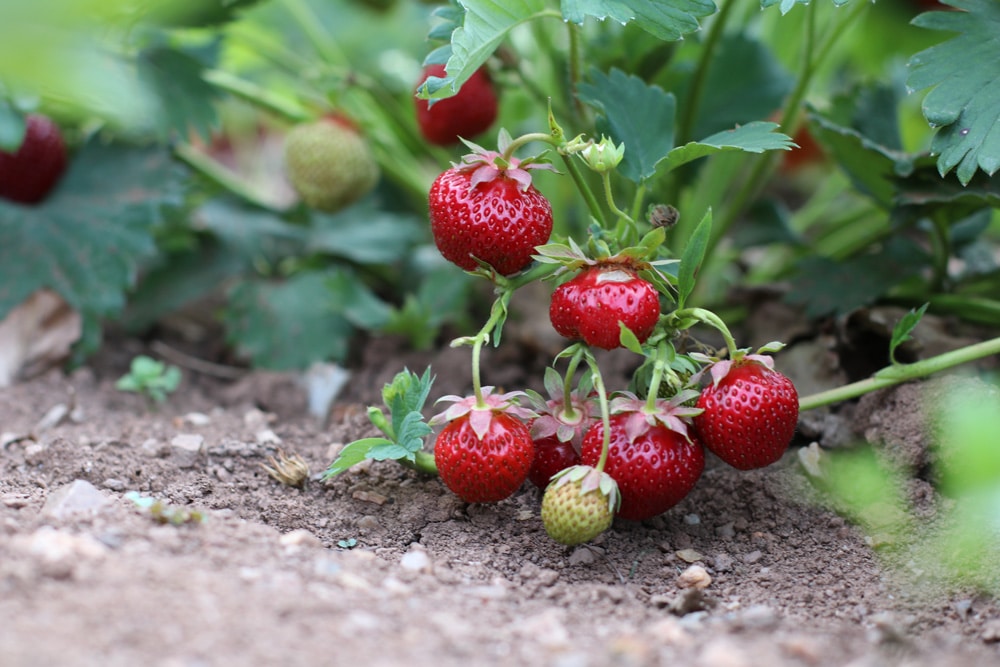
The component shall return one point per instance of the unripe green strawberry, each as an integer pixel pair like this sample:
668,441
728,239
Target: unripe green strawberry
329,163
579,504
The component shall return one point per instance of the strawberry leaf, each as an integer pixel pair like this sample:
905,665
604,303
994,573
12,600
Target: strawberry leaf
289,324
665,19
965,100
485,24
405,396
352,454
901,332
755,137
87,239
12,127
185,98
634,113
694,253
787,5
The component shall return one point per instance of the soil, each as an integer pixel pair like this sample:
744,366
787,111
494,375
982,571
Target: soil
384,566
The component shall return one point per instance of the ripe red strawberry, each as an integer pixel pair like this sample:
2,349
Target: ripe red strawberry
552,455
655,461
329,163
591,304
29,174
466,114
749,412
488,208
483,455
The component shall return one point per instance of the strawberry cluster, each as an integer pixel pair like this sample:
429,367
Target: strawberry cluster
596,454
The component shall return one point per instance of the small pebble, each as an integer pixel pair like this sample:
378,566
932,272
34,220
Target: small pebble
415,560
695,576
370,497
113,484
79,496
692,519
689,555
722,562
300,538
582,556
753,556
186,449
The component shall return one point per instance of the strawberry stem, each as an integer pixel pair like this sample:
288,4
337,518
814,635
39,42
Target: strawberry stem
602,397
660,367
610,197
423,462
568,411
709,318
497,314
899,373
527,139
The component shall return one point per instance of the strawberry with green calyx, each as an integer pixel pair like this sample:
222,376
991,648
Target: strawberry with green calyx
468,113
607,294
329,163
562,420
749,411
28,174
486,210
580,502
485,451
579,505
652,453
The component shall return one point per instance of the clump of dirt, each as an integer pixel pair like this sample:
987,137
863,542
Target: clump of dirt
384,566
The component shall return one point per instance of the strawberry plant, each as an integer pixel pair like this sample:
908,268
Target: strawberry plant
637,180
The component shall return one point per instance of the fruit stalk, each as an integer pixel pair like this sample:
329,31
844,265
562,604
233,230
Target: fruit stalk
710,318
602,397
899,373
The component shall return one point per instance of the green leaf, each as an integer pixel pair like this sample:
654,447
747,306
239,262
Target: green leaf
826,287
755,137
390,452
871,166
486,23
412,431
787,5
407,393
901,332
352,454
694,253
364,234
185,98
194,13
287,325
12,127
965,100
665,19
87,239
353,299
634,113
745,82
628,339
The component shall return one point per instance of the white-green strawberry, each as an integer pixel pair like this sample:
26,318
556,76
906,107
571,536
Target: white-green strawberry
579,504
329,163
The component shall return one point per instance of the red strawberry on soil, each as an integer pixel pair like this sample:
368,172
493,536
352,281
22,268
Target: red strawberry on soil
652,455
466,114
591,305
749,412
484,453
29,174
487,208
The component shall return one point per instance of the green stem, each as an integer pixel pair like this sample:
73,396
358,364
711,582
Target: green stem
581,185
575,71
219,175
527,139
320,39
568,411
654,383
610,197
257,96
899,373
536,272
765,164
602,397
496,313
423,462
711,319
698,79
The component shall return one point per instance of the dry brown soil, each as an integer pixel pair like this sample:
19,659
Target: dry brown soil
269,577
